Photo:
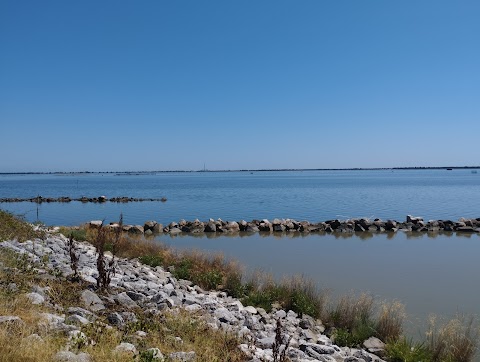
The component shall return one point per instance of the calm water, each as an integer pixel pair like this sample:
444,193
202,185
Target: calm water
308,195
430,274
439,275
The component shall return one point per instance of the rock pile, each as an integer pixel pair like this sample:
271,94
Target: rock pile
83,199
153,290
412,224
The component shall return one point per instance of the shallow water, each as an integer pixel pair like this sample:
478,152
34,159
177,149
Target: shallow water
436,274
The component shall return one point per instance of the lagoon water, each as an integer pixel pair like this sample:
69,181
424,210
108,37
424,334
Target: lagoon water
429,274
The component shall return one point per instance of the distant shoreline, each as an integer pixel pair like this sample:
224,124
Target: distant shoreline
241,170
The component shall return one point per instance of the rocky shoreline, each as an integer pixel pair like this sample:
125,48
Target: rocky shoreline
279,226
136,286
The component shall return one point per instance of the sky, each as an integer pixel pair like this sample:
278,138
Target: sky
176,85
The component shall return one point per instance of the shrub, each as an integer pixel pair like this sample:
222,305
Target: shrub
355,336
78,234
262,299
183,269
403,350
151,260
303,297
210,279
234,285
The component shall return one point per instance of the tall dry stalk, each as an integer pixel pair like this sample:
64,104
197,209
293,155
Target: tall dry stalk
281,340
73,257
107,269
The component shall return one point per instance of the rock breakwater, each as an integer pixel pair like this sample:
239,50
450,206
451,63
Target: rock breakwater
83,199
278,226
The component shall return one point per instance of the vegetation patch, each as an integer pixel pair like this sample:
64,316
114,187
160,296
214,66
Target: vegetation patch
297,294
14,227
403,350
151,260
78,234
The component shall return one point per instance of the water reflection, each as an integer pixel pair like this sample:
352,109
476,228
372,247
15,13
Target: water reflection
363,235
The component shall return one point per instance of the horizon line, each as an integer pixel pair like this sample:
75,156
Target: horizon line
244,170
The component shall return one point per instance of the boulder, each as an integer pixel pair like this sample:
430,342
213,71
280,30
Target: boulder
390,224
81,312
95,224
35,298
126,348
290,225
373,343
359,228
125,301
279,228
136,229
182,356
266,342
76,320
250,309
252,228
9,319
304,226
67,356
211,227
232,227
158,228
225,316
92,301
153,354
265,226
149,225
115,319
334,224
414,219
242,225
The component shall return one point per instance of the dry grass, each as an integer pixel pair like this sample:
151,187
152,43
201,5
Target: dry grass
195,334
14,345
349,311
455,340
13,227
389,325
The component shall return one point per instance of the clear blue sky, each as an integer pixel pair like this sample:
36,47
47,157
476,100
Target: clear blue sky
163,85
